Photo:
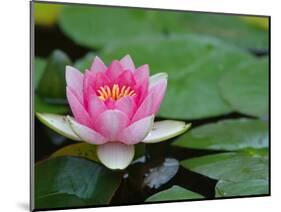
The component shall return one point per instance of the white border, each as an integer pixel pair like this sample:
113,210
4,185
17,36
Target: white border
14,87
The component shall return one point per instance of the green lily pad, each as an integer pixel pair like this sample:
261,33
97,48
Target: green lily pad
232,166
230,28
102,26
85,62
194,65
70,181
244,188
84,150
42,106
39,66
174,193
246,89
227,135
52,83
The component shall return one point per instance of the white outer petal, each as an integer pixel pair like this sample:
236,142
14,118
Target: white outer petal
164,130
154,79
59,124
115,155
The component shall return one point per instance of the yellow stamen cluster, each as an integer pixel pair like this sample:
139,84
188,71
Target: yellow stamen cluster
115,93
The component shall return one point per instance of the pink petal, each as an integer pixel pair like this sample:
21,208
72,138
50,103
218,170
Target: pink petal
114,70
142,78
158,91
137,131
98,65
96,106
79,112
116,155
145,109
74,80
85,133
126,105
110,123
127,63
126,78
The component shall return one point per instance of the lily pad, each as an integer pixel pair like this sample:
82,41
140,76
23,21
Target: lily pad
246,89
52,83
164,130
194,65
41,106
174,193
84,150
244,188
39,66
227,135
230,28
70,181
232,166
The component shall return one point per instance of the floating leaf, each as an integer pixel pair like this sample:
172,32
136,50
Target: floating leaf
52,83
39,66
85,62
233,167
174,193
194,65
244,188
41,106
83,150
70,181
228,135
230,28
99,26
246,89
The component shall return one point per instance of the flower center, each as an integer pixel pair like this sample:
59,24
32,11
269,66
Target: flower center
115,93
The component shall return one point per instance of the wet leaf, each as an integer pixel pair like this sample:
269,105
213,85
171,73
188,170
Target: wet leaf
39,66
246,89
232,166
174,193
84,150
52,84
41,106
70,181
244,188
228,135
194,65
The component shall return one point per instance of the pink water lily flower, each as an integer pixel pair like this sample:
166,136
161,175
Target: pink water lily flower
114,108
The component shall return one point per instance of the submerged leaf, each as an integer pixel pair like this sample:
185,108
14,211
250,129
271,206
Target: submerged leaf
174,193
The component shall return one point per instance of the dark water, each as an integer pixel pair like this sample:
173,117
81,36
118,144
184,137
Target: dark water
134,187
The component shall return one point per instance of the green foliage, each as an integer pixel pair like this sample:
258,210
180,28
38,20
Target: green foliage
194,65
174,193
246,88
244,188
55,73
232,166
227,135
71,181
39,67
97,27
